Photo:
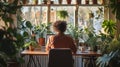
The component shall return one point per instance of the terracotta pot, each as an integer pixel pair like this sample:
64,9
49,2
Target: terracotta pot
44,2
94,1
41,41
69,1
36,2
60,1
24,2
87,2
31,48
78,1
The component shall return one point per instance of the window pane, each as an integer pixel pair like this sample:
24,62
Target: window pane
91,17
35,14
69,9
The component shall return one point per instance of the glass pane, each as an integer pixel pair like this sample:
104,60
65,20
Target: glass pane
70,10
91,17
35,14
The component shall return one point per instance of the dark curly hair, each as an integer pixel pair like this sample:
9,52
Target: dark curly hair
60,26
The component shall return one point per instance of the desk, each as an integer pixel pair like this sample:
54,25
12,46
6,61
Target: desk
90,54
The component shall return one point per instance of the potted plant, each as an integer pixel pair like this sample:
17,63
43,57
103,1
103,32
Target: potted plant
60,1
111,59
41,31
10,39
31,43
29,36
36,2
25,2
78,1
74,32
62,14
112,56
69,1
45,1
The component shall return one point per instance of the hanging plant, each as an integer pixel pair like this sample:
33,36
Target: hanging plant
62,14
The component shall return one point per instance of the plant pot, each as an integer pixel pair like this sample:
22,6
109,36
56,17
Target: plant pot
69,1
60,1
87,2
24,2
78,1
94,1
36,2
44,2
41,41
31,48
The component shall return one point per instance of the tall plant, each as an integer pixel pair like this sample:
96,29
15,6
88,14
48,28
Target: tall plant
10,38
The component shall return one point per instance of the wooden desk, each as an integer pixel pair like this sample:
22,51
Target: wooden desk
89,54
86,53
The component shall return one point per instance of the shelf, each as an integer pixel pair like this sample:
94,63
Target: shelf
64,5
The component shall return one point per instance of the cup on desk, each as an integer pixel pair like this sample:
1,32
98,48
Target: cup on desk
82,48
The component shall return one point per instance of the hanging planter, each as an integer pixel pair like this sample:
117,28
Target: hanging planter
69,1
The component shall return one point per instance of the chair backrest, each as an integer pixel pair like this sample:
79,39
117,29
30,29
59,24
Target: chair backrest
60,57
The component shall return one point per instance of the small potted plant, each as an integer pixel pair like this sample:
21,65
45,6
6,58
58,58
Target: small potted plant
31,43
41,31
78,2
60,1
45,1
69,1
62,14
36,2
75,33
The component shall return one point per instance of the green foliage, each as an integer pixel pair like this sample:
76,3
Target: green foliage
62,14
28,32
114,45
104,42
3,59
109,60
41,30
6,9
109,27
115,6
74,31
10,39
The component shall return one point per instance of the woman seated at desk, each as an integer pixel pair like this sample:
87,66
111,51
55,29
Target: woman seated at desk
60,40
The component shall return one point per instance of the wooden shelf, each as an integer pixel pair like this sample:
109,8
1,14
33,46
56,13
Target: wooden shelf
64,5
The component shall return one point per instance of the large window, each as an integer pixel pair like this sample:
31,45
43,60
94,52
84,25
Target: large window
89,15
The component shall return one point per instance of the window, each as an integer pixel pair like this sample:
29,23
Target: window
89,15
